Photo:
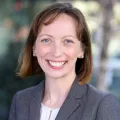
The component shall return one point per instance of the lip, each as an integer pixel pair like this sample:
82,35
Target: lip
54,67
57,60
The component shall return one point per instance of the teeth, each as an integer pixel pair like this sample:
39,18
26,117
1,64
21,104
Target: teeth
56,64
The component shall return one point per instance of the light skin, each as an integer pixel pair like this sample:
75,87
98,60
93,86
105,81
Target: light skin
57,49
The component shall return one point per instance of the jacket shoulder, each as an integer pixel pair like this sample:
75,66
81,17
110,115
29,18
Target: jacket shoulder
21,101
95,93
28,93
96,97
105,104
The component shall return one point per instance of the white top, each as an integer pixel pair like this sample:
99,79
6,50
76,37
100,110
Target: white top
47,113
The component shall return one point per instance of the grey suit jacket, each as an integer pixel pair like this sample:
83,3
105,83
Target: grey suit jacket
84,102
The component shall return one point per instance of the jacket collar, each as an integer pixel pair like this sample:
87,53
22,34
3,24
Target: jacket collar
35,102
77,90
72,102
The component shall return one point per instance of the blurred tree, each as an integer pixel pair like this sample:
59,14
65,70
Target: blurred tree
107,6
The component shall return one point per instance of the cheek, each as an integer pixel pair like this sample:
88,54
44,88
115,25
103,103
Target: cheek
41,51
73,53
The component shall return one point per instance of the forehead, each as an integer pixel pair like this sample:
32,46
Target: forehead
63,24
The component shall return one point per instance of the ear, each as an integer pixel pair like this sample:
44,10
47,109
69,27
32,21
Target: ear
34,53
81,54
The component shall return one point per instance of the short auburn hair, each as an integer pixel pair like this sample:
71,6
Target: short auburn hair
28,64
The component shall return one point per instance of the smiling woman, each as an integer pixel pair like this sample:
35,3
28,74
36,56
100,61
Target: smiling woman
59,24
59,46
58,49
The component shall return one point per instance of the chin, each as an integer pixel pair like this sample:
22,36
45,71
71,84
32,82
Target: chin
56,75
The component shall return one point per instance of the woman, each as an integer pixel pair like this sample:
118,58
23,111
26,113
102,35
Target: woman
59,46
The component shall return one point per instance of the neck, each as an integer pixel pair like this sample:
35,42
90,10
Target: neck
57,90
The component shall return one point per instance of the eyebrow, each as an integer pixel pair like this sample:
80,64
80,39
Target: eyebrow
45,35
70,36
53,37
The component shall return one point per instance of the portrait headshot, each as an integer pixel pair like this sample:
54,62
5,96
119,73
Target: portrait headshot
58,46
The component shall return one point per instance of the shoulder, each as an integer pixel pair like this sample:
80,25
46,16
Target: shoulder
106,104
21,101
96,95
28,93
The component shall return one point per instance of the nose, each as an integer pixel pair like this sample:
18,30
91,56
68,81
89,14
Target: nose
57,50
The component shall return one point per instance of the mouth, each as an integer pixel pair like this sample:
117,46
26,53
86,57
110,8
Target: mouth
57,64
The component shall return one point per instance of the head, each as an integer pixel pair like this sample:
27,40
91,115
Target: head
56,15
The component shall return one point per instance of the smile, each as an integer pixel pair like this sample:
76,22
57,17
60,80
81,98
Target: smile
56,63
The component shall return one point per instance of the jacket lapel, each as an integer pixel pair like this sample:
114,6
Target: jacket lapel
35,102
67,109
72,102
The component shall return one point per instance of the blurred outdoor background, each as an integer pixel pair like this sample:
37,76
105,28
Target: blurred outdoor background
103,18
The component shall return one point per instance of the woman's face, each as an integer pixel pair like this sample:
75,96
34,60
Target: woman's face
57,47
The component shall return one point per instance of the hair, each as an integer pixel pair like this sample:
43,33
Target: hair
28,64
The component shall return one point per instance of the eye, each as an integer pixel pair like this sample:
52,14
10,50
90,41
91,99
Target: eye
68,41
45,40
